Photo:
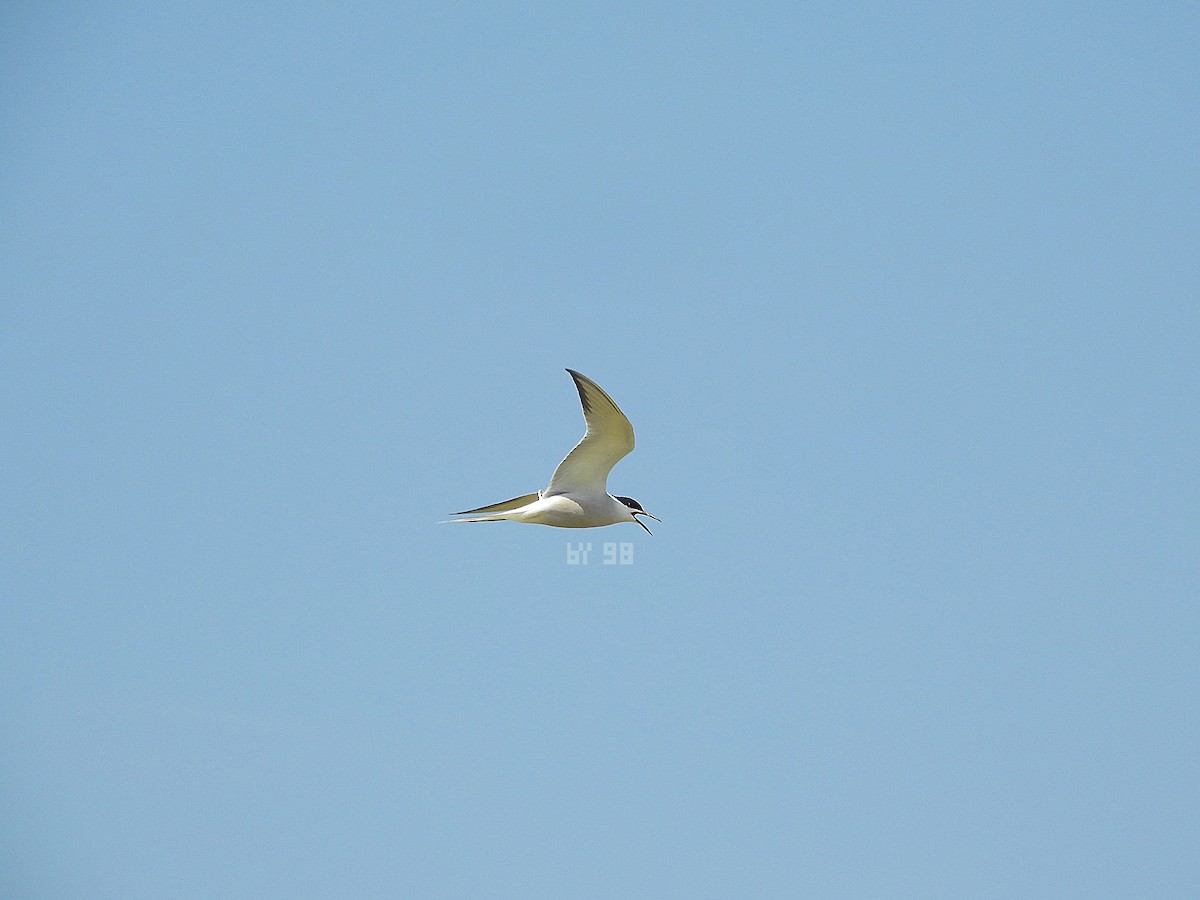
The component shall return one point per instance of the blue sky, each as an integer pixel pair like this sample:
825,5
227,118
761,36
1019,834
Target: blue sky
902,303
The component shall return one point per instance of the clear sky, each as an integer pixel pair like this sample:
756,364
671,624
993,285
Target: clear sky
903,301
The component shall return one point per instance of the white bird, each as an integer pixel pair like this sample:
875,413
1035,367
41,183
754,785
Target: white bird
577,495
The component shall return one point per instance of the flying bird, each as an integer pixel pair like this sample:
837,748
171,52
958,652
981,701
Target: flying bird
577,495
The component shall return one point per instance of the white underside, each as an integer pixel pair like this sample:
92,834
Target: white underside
566,511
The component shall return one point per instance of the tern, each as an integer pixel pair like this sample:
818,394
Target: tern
577,495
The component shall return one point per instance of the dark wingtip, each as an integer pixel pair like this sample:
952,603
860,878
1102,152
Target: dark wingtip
583,398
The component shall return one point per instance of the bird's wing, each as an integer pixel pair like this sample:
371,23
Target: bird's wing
609,437
503,506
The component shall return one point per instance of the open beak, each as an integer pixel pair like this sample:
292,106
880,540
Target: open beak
641,512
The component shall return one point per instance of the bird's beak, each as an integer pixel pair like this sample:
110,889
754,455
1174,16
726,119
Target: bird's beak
642,512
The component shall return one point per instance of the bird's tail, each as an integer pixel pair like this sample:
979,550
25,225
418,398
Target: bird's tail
502,506
496,509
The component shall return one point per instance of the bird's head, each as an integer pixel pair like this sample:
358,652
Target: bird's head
635,510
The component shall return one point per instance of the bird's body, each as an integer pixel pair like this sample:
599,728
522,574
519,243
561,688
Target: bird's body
561,511
577,495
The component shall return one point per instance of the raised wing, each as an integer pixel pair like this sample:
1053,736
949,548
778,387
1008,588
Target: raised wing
609,437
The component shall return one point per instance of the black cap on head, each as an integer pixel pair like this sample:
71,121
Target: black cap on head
631,503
